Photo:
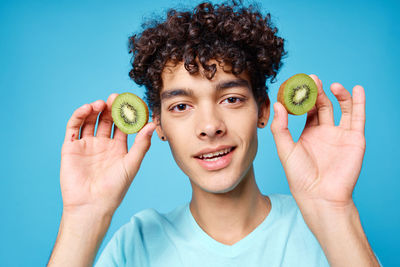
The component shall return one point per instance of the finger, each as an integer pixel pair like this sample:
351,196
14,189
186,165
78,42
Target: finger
75,122
358,115
139,148
279,128
104,127
90,122
312,118
324,105
345,102
119,135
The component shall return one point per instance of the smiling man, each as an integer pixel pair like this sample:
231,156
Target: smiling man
211,126
205,74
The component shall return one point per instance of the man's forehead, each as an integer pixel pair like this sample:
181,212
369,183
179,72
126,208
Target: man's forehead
219,87
177,80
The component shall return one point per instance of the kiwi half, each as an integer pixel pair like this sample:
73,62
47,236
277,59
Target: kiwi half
129,112
298,94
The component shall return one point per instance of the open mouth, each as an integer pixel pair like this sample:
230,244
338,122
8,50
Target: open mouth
216,155
217,160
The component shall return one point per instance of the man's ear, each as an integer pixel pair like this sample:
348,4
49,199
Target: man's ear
263,113
157,120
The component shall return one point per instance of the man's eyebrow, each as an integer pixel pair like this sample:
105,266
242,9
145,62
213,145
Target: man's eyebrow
176,92
189,92
232,83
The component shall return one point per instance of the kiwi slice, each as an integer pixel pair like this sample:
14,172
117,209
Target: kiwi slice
129,112
298,94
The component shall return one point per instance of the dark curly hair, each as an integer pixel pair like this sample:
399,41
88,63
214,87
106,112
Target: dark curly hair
229,33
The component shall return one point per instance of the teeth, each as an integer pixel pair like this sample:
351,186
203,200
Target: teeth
213,159
215,154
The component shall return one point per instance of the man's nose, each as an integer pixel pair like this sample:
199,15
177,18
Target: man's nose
210,124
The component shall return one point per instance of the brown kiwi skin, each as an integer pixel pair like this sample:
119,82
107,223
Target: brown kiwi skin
280,97
147,114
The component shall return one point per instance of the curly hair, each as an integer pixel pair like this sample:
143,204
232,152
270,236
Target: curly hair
229,33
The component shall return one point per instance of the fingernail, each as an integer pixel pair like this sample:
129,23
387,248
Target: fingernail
150,132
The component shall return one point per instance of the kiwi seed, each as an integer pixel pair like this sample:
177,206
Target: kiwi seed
130,113
298,94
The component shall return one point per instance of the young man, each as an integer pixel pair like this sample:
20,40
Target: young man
205,74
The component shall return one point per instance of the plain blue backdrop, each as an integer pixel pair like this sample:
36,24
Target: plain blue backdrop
58,55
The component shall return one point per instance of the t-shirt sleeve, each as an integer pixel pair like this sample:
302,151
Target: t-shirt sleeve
112,253
136,243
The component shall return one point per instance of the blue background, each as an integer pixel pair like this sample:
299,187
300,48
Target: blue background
57,55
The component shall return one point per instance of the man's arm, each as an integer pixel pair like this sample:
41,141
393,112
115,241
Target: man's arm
96,172
322,169
79,238
340,234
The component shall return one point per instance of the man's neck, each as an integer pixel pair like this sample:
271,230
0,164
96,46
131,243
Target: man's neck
229,217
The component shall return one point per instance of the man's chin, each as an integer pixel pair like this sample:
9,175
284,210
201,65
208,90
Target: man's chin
218,188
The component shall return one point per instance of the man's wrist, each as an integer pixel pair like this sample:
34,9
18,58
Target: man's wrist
98,210
88,226
79,237
78,220
338,230
324,218
325,212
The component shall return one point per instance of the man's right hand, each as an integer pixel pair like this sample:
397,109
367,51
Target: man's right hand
97,170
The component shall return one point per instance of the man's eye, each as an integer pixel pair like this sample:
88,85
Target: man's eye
233,100
179,107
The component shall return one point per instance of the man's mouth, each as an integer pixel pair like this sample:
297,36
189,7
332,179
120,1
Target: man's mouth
215,155
215,159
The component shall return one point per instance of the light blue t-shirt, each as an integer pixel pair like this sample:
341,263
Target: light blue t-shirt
175,239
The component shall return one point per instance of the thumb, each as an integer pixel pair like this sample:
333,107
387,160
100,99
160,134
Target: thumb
139,149
279,128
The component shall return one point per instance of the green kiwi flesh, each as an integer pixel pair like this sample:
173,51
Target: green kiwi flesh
129,112
298,94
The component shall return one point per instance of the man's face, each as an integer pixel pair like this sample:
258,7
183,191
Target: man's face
200,117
